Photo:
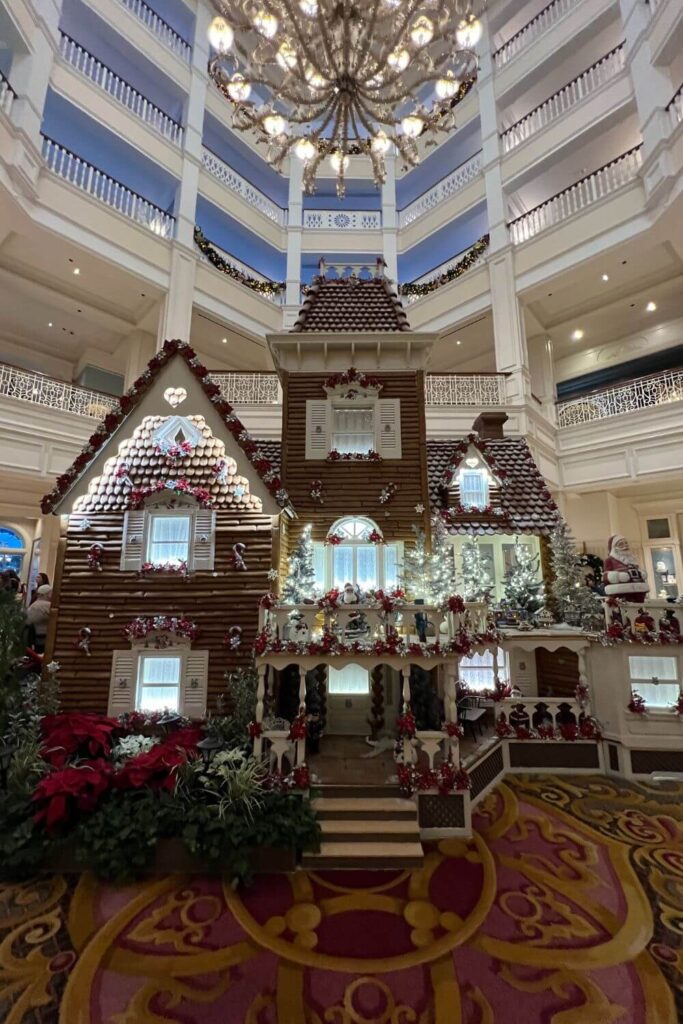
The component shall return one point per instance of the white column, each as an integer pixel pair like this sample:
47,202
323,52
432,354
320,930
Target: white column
138,349
490,145
176,309
390,220
294,241
543,373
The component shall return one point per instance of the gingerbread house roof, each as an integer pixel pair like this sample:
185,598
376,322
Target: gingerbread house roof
351,304
525,501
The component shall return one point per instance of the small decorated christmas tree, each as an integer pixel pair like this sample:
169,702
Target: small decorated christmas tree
476,581
575,602
300,582
430,576
523,589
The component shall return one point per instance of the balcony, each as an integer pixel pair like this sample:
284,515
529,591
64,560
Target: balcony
29,386
675,109
584,193
242,188
159,28
532,30
101,186
640,393
119,90
242,273
342,220
7,95
569,96
441,192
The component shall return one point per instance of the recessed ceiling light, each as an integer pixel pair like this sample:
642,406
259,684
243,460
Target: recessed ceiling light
50,324
224,340
605,277
651,307
77,270
458,342
577,335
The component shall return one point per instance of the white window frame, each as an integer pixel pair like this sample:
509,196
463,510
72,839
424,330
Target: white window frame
168,430
487,656
485,478
124,687
167,652
357,405
644,684
329,549
138,524
167,513
496,541
320,424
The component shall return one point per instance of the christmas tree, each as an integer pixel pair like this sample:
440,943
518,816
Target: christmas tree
523,589
430,576
476,579
300,582
575,601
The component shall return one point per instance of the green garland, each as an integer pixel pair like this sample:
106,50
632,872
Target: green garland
468,260
220,263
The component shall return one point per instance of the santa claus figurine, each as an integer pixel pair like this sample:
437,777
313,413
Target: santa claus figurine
350,594
622,575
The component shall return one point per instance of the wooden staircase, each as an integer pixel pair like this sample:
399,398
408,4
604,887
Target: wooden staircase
365,828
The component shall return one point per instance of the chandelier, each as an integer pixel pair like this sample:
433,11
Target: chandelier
331,79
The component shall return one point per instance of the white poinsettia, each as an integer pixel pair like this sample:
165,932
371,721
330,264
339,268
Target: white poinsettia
129,746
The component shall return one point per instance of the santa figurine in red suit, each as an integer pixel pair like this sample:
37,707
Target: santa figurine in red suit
622,576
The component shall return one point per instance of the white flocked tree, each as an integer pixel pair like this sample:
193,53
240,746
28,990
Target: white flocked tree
575,602
300,581
476,581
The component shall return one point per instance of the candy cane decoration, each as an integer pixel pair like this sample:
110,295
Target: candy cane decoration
237,557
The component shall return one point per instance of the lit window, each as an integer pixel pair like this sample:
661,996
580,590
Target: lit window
348,680
354,430
474,488
476,672
169,539
159,682
655,679
356,560
11,549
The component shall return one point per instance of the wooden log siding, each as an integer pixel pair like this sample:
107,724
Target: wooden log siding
106,601
353,488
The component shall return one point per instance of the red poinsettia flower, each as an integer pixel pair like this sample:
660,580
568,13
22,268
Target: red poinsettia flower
153,769
79,734
60,795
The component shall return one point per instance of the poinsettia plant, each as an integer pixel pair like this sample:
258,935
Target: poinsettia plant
388,600
454,604
61,795
330,601
406,723
76,735
453,730
336,456
298,729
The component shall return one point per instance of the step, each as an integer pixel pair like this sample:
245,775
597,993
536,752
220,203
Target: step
387,808
342,791
364,856
365,830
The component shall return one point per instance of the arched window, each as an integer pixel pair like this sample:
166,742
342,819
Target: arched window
12,549
356,559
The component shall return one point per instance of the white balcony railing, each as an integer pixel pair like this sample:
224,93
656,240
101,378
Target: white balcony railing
160,28
105,79
276,297
249,388
28,386
442,191
577,197
480,389
532,30
107,190
675,108
342,220
641,393
241,187
6,95
564,99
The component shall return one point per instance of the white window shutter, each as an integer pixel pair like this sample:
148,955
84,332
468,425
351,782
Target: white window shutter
317,429
389,428
123,683
195,684
203,539
133,541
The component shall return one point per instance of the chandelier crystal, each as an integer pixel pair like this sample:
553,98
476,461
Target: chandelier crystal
334,79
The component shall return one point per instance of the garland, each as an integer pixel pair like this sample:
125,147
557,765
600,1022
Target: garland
226,267
468,260
113,420
174,451
141,627
587,729
172,569
354,380
446,778
637,705
138,496
449,515
335,456
394,645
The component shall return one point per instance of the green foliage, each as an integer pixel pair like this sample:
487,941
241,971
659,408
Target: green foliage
232,782
23,845
235,709
12,624
118,840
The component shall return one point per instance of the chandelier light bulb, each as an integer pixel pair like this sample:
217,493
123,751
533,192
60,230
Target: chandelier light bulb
422,31
286,56
469,32
447,87
314,78
265,23
339,161
238,89
304,149
309,7
398,59
221,35
412,126
274,124
380,143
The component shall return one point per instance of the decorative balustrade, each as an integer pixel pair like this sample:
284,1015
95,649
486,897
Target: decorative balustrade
342,220
28,386
442,191
534,712
588,82
96,183
249,388
160,28
7,95
241,187
675,108
480,389
242,272
446,272
626,612
640,393
577,197
120,90
532,30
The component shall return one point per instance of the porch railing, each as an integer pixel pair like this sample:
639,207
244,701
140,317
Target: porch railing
640,393
29,386
532,712
160,28
96,183
342,220
453,389
532,30
7,95
577,197
120,90
249,388
243,268
675,108
588,82
241,187
442,191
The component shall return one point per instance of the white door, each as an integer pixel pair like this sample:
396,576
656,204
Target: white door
348,701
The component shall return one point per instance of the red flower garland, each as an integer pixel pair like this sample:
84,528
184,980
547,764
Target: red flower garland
454,604
298,730
637,705
142,626
201,495
335,456
350,377
406,723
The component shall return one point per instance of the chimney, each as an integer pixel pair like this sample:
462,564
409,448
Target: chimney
322,266
489,425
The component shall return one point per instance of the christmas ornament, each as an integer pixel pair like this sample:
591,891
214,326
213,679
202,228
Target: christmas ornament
637,705
122,473
316,492
388,493
95,557
221,472
233,638
419,508
82,643
238,562
85,524
155,625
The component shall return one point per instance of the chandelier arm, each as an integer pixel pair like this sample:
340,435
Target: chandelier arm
309,53
329,49
364,48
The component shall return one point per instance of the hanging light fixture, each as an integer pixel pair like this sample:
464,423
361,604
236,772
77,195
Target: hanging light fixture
339,78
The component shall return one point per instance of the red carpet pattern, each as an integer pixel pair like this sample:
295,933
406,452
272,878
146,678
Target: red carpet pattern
566,907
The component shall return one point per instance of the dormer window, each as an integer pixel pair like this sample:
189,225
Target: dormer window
474,487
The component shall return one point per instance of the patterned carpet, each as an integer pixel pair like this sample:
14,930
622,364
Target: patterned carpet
566,907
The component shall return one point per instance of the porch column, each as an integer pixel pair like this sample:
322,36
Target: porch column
496,677
405,685
376,719
260,704
450,706
585,705
301,744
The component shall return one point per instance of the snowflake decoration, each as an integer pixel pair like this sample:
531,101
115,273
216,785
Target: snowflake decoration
419,508
273,574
